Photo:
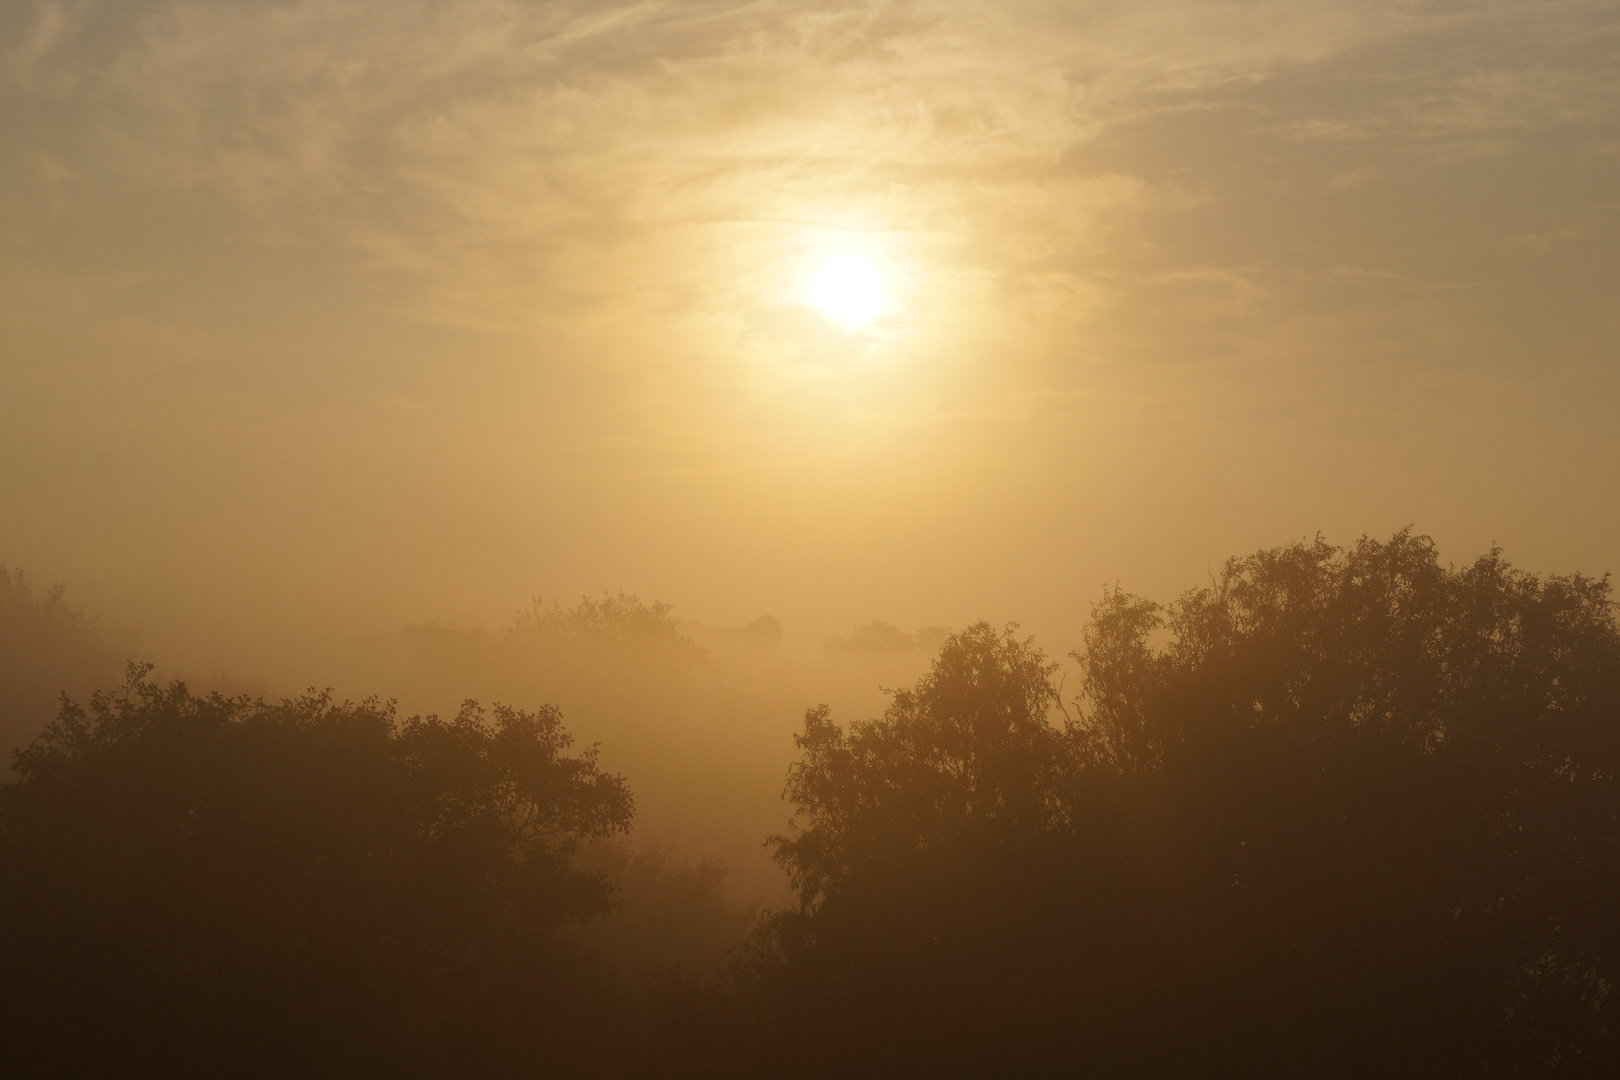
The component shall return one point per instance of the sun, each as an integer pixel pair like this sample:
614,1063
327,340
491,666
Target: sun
848,289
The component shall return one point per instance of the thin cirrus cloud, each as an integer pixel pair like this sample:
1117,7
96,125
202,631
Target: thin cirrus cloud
1144,247
476,141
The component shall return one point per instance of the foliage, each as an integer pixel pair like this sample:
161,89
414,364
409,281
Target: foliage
618,618
1357,813
965,751
222,879
671,917
614,644
1337,813
46,648
878,638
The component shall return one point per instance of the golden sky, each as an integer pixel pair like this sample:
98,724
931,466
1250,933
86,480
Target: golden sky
321,317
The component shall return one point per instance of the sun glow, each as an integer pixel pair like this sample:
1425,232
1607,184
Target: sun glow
848,289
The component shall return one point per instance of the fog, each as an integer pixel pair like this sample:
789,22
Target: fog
482,349
342,317
701,717
322,321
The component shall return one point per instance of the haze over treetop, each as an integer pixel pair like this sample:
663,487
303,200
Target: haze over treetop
366,314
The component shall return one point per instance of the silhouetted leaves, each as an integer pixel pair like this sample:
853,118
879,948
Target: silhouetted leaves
1340,812
46,649
966,752
308,882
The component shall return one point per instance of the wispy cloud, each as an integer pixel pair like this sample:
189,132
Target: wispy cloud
563,168
54,23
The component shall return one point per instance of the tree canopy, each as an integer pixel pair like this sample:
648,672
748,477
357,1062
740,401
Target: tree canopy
310,878
46,647
1340,811
966,751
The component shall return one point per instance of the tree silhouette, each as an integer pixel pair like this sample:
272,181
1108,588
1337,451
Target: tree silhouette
1405,776
966,752
195,881
46,649
1357,814
1338,813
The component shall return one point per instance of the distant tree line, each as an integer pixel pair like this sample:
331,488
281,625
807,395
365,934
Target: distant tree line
606,638
1339,813
878,637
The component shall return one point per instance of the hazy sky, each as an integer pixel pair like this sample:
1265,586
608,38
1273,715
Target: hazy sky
321,317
